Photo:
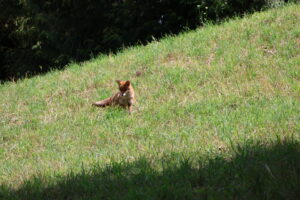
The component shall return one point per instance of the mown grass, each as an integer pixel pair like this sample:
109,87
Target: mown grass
217,117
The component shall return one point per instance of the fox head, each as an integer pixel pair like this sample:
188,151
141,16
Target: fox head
123,86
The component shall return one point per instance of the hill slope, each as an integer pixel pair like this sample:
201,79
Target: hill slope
229,92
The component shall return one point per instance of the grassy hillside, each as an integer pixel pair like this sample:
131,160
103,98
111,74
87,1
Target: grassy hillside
217,116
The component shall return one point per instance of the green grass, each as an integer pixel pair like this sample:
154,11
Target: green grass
217,117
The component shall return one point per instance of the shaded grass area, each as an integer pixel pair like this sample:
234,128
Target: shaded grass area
254,171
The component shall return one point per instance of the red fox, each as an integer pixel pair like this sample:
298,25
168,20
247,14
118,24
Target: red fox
124,98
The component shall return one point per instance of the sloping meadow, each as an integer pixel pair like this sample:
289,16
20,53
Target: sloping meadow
202,96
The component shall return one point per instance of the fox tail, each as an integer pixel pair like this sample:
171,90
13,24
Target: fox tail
103,103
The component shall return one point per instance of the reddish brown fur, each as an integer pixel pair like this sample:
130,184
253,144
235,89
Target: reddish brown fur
124,98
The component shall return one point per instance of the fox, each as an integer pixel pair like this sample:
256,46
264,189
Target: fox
124,98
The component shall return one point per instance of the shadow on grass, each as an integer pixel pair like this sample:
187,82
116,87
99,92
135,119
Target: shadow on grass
255,171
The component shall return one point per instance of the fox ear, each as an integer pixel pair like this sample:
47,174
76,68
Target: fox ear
118,81
127,83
